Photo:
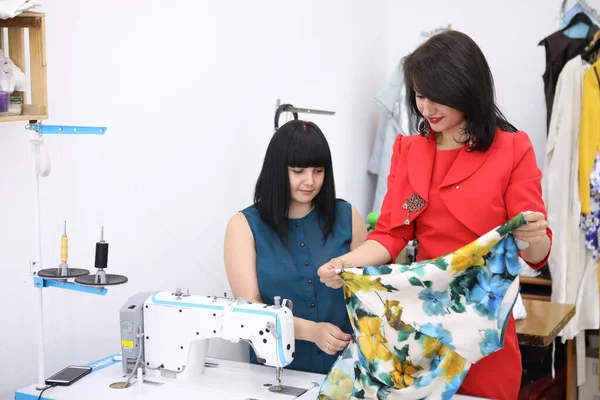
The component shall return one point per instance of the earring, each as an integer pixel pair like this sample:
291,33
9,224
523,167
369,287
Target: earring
471,143
430,132
425,129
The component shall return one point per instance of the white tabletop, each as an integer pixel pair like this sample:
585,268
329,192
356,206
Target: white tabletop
230,380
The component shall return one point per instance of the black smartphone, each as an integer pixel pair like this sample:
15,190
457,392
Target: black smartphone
69,375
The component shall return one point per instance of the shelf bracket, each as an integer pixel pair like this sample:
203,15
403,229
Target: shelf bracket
66,130
43,283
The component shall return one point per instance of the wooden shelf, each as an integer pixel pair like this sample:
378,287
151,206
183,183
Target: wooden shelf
527,280
23,117
14,29
538,297
535,288
543,323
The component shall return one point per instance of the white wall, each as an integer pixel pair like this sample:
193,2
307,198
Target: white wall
507,32
187,90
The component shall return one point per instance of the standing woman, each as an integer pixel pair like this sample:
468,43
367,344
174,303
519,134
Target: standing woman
467,172
275,246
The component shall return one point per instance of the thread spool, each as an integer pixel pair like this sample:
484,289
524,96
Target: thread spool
64,245
64,249
101,263
63,272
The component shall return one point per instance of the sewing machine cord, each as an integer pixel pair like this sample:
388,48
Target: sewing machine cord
44,389
137,363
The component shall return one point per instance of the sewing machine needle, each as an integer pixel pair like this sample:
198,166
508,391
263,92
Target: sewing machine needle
278,376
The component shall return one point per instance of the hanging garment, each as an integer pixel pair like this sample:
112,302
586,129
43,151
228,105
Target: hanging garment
589,139
394,120
571,265
592,50
559,50
591,223
419,328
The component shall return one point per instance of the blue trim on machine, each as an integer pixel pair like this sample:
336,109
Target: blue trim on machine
96,366
104,362
220,308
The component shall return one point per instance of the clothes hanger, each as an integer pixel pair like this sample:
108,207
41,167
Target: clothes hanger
580,30
578,18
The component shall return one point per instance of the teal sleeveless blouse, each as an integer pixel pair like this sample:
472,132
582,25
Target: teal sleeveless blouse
289,269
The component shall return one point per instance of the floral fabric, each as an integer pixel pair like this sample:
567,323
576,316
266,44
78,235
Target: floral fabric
590,223
418,328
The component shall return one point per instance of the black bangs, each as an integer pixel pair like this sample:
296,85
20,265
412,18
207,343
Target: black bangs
295,144
308,147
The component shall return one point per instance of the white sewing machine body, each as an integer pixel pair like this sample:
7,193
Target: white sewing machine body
165,322
223,380
172,331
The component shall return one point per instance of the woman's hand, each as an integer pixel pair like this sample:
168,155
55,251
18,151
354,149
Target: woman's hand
328,273
534,230
329,338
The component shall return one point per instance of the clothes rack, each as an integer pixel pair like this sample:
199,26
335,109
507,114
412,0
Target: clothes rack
304,110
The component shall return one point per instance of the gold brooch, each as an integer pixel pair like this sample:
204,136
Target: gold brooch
413,204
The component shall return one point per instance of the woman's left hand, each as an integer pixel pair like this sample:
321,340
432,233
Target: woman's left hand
534,230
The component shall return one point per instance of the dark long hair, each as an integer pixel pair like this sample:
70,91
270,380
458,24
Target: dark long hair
295,144
450,69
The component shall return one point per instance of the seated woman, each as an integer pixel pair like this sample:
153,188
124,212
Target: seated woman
275,246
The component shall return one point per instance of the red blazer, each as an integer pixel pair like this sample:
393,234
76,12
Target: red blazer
482,189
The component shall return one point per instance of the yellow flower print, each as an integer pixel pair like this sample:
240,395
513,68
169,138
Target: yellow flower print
403,374
393,314
452,363
431,346
356,283
469,256
347,292
370,340
341,385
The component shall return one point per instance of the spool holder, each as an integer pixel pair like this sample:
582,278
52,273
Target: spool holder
60,277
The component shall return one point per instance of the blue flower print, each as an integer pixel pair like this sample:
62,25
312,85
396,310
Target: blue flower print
435,362
504,257
496,263
377,270
383,392
490,342
452,387
434,303
511,257
438,332
487,293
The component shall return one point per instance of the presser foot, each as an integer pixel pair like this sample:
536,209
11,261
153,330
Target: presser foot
288,390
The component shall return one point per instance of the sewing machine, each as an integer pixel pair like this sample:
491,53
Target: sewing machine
169,332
